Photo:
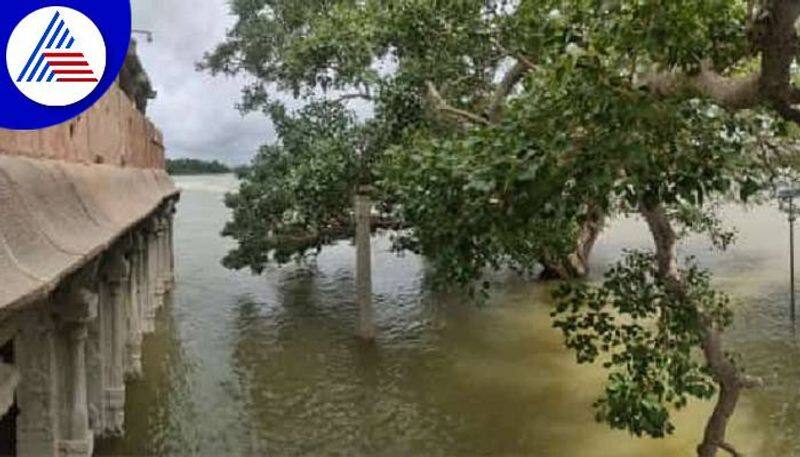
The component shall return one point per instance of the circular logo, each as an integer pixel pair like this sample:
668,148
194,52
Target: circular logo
60,56
56,56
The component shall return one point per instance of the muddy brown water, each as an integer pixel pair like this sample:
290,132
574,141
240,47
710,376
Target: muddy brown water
267,365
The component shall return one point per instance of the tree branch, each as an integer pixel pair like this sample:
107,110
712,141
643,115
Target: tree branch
513,76
441,105
774,35
353,96
729,92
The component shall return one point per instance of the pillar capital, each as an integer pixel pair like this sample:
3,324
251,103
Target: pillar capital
116,266
139,238
173,206
151,225
76,301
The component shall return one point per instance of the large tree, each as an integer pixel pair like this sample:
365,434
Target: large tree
511,129
427,68
649,107
307,190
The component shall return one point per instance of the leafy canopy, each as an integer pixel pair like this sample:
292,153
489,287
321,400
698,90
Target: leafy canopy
296,195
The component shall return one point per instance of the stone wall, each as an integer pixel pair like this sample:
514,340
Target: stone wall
86,222
70,191
112,132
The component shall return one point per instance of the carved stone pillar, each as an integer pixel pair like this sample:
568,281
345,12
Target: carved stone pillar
138,292
171,244
98,354
76,306
37,394
167,262
116,272
151,272
162,257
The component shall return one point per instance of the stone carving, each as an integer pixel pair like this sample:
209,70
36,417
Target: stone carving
37,425
75,305
74,349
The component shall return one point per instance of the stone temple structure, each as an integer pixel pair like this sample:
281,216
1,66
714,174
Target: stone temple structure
86,211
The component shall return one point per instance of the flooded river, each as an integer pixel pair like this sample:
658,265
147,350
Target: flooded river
248,365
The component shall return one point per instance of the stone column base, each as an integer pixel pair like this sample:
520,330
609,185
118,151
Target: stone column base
76,448
160,292
134,366
149,322
115,409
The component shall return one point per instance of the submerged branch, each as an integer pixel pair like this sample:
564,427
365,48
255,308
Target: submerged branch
722,368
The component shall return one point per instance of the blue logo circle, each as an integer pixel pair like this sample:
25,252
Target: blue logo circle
60,58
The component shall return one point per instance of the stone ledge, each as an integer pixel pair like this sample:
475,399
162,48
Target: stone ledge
58,215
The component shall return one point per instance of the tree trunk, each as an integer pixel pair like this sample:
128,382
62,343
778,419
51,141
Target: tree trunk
722,369
576,264
363,208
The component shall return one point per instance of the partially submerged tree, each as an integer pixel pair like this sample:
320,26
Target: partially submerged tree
649,107
304,192
297,194
425,66
512,128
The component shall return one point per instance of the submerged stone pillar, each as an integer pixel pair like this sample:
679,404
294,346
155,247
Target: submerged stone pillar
151,273
363,211
133,363
167,262
162,257
76,306
117,273
171,243
37,394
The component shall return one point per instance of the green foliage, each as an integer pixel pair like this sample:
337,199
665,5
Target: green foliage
296,195
577,131
512,193
645,333
475,200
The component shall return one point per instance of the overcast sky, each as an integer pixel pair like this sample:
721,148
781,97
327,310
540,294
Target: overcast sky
194,110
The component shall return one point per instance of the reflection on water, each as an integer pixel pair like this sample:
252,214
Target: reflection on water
245,365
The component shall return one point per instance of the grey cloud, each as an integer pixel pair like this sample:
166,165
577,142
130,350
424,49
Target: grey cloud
195,111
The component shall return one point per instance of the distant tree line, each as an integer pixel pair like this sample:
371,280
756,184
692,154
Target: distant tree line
196,167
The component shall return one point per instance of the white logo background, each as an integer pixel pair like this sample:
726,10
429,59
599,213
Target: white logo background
27,35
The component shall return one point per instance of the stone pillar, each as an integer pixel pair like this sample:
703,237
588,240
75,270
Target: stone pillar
163,260
171,244
363,210
97,351
116,272
9,379
168,262
35,355
75,305
151,273
133,364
